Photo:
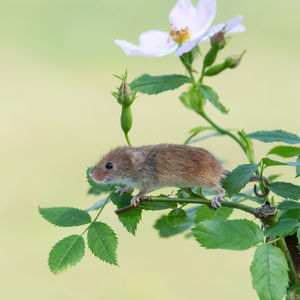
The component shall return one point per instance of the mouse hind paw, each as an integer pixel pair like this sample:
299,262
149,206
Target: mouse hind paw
216,201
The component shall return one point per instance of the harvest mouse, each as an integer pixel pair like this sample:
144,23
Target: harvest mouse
151,167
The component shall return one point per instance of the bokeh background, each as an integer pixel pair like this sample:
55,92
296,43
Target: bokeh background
57,117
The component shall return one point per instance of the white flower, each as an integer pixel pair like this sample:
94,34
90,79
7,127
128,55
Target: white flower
189,27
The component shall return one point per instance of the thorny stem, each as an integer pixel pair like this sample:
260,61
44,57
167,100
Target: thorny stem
199,200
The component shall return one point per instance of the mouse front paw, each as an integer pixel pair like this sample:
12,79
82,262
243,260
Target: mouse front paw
135,201
122,190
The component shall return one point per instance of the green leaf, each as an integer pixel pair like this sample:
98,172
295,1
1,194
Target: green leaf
193,99
282,227
298,168
103,242
298,237
176,217
205,213
291,214
98,204
269,272
150,85
96,187
275,136
199,129
166,230
129,218
67,252
293,292
65,216
285,151
238,178
270,162
285,190
228,234
212,97
287,205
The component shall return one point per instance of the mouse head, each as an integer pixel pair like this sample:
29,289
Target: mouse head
118,166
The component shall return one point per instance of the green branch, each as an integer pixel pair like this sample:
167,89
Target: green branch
199,200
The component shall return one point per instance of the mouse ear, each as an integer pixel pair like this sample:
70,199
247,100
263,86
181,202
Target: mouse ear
137,157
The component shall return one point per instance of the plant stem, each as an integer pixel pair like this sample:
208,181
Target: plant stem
292,272
199,200
226,132
127,139
98,214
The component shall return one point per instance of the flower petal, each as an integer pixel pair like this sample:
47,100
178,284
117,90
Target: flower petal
153,43
186,47
232,26
206,12
233,23
183,15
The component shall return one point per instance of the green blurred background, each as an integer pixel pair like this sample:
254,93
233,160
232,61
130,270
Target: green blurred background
57,117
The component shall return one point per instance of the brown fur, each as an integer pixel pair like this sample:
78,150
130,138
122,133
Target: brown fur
154,166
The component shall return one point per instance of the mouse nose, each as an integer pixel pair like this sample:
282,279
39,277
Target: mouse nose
97,174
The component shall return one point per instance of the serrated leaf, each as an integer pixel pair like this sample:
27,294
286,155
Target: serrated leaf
285,190
67,252
150,85
98,188
228,234
103,242
285,151
294,292
238,178
212,97
176,217
98,204
199,129
65,216
282,227
130,218
271,178
271,162
298,168
291,214
164,228
275,136
287,205
269,272
298,237
205,213
193,99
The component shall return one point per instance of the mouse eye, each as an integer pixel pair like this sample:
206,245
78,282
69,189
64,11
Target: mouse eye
109,165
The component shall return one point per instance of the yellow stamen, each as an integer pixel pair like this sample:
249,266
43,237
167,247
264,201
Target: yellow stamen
180,36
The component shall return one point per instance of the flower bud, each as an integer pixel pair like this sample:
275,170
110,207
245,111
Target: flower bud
218,40
124,95
216,69
126,119
210,57
234,60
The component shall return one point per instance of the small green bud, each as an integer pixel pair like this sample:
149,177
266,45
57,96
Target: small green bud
123,94
234,60
126,119
218,40
216,69
210,57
